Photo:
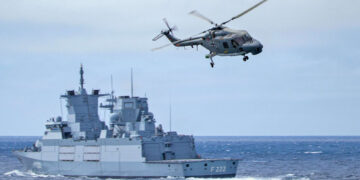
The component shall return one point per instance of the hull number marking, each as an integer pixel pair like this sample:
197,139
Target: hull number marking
218,169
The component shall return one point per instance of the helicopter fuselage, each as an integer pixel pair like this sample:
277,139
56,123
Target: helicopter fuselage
223,42
219,40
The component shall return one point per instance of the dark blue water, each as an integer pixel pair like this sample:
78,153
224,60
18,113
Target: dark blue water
261,157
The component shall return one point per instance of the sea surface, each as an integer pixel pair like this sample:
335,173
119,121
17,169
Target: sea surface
263,158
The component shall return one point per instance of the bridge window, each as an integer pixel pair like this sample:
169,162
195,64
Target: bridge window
167,145
225,44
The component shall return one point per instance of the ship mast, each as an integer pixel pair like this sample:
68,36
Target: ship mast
81,77
132,86
170,116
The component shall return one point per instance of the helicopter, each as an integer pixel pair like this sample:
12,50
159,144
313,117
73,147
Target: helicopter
219,40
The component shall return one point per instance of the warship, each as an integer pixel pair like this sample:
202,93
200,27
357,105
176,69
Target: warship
130,146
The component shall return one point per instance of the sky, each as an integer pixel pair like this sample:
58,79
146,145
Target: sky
304,83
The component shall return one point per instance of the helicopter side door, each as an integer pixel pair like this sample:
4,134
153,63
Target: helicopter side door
212,44
226,46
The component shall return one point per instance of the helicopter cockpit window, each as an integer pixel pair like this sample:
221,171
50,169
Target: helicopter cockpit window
246,38
239,40
234,43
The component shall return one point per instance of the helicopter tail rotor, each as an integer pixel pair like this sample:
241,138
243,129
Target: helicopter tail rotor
164,32
170,29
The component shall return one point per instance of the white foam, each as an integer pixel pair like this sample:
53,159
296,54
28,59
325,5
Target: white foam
14,173
313,152
259,161
28,174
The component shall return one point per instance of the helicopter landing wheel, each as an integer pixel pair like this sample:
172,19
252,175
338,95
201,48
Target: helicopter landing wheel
245,58
212,62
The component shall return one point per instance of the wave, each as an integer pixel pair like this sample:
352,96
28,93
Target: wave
19,173
29,174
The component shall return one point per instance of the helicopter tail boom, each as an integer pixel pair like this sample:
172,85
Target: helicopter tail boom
171,38
192,41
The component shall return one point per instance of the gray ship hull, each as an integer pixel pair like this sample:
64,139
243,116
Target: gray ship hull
150,169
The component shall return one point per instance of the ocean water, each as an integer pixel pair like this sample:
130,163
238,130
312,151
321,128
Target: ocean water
262,158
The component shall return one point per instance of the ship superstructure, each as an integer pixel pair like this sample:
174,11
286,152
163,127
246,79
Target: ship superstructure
131,146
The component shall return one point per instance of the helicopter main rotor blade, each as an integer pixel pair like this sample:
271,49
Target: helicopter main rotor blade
166,45
172,43
200,33
197,14
230,30
243,13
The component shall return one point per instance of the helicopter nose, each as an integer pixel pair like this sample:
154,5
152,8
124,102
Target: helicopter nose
257,48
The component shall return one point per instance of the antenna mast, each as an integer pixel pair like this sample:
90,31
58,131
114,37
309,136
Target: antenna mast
81,77
112,87
132,87
112,95
170,116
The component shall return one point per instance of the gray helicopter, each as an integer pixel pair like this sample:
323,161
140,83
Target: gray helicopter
219,40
